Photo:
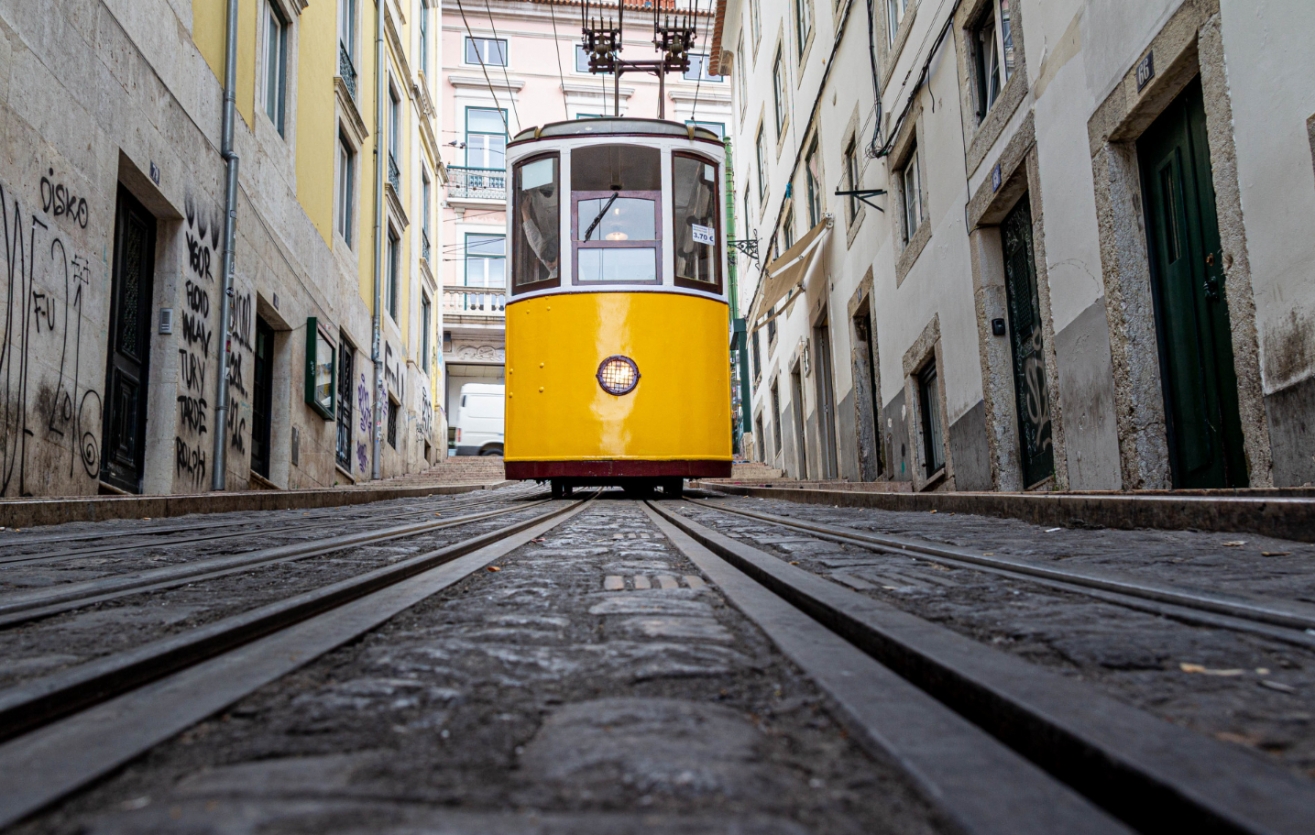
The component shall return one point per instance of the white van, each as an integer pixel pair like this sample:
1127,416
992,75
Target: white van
480,416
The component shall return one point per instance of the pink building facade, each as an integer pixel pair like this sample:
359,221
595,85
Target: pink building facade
507,67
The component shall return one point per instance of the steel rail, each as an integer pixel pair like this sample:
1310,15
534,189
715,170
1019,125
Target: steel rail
1289,614
1150,773
21,607
329,514
37,702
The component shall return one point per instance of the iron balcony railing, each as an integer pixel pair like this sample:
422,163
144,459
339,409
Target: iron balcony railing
480,301
477,183
346,69
394,175
425,248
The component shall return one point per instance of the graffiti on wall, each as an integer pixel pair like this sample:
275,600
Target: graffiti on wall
47,288
195,341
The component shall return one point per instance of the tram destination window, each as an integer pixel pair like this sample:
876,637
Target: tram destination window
694,211
536,245
616,191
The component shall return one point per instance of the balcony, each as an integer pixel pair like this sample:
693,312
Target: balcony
394,174
426,250
476,183
489,302
346,69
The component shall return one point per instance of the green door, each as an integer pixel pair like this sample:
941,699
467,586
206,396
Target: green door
1196,351
1032,396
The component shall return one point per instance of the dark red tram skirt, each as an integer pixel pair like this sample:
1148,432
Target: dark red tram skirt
616,469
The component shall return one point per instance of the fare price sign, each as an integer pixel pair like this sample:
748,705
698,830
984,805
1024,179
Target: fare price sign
704,235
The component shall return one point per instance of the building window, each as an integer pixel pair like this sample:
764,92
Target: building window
910,186
895,10
394,255
992,45
716,127
698,69
932,447
813,176
347,27
756,15
426,323
486,138
757,358
803,23
486,260
760,145
787,229
851,176
490,51
346,188
771,330
394,138
424,37
776,416
581,59
758,434
392,422
741,68
426,196
778,91
276,66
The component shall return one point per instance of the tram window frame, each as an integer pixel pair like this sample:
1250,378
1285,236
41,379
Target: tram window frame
577,246
516,252
688,283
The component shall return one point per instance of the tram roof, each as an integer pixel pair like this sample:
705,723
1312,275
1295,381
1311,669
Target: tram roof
616,127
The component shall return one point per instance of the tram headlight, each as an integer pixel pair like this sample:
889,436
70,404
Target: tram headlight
618,375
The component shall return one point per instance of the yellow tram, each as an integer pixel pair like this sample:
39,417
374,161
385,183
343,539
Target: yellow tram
618,365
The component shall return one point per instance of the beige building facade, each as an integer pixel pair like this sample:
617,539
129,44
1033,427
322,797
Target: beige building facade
113,187
1011,244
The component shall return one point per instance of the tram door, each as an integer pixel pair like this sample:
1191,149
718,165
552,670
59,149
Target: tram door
1192,322
123,442
826,409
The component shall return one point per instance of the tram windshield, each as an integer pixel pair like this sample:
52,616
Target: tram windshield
536,253
616,194
694,219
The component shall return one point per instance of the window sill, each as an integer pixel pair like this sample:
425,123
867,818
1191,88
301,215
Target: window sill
993,124
909,256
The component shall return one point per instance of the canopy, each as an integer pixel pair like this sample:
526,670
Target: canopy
781,276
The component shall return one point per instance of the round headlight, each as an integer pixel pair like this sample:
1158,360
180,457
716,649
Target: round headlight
618,375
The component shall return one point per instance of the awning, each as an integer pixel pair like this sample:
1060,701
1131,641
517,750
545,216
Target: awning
784,274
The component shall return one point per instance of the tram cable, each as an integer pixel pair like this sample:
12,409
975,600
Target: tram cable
557,50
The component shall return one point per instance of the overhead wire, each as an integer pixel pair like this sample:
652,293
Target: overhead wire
487,81
557,49
510,95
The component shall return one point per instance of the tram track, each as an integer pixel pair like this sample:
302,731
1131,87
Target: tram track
71,727
997,744
1153,775
1289,621
229,530
25,606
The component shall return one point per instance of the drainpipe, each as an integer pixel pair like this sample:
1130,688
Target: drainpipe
377,349
218,466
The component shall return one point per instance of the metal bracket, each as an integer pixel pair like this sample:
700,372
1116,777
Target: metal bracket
749,246
863,194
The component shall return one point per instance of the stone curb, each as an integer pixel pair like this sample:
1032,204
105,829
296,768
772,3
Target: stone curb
24,513
1283,517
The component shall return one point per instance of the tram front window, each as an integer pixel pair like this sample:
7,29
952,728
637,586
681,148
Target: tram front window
536,250
616,193
695,221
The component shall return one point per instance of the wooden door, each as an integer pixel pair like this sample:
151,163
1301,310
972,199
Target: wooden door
826,407
797,412
1192,322
1032,396
129,349
262,398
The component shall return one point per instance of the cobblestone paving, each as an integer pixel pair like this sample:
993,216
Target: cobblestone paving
45,646
1240,688
593,684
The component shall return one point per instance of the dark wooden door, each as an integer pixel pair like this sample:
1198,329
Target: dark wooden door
262,399
1032,397
1192,323
344,414
870,463
826,400
124,431
797,412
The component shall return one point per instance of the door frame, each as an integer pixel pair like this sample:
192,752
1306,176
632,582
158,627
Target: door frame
126,201
1188,46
